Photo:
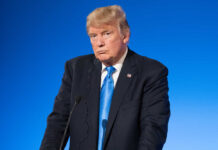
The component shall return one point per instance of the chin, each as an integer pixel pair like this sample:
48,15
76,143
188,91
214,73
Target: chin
103,59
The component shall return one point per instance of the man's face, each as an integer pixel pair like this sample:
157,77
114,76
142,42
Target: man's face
108,43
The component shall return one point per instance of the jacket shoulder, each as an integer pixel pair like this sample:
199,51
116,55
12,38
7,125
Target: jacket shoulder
79,64
81,60
148,64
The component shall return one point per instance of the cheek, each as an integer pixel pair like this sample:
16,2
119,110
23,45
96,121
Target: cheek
115,45
94,47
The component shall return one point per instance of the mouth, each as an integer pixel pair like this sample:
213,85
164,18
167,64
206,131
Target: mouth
101,52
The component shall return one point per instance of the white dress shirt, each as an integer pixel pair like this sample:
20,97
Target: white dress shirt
117,66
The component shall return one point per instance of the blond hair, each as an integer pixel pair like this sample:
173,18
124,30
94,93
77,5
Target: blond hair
111,15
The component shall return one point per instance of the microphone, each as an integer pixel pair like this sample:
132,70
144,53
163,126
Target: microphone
77,101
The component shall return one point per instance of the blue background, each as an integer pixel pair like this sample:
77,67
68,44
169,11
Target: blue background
38,36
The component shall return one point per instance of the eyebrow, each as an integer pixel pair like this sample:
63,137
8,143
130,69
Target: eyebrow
91,34
107,31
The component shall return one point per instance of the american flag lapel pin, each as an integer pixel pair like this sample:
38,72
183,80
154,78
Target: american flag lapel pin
129,75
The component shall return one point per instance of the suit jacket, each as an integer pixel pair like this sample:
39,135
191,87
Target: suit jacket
139,112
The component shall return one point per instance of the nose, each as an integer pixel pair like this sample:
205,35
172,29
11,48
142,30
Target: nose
100,41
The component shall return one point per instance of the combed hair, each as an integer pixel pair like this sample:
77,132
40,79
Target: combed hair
108,15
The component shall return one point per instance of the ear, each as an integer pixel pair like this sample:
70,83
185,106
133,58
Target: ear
126,37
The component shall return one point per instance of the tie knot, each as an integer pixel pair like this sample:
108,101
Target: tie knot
110,70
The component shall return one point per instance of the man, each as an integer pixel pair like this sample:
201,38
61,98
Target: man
123,97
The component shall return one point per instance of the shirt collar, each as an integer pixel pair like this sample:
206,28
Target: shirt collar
119,64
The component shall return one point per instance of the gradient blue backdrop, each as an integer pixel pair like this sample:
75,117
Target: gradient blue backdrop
38,36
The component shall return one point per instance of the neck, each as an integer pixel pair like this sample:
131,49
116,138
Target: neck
115,61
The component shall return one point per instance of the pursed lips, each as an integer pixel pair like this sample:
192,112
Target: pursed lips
101,51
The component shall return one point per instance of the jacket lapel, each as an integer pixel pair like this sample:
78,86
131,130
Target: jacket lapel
92,101
127,74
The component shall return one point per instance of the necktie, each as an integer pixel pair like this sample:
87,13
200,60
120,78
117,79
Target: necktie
105,102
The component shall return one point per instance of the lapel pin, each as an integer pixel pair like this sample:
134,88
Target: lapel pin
129,75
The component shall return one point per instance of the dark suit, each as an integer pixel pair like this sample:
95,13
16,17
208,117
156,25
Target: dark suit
139,111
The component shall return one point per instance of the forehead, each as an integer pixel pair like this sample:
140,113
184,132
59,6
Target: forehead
102,28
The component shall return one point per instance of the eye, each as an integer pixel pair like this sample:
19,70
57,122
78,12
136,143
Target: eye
92,36
107,34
